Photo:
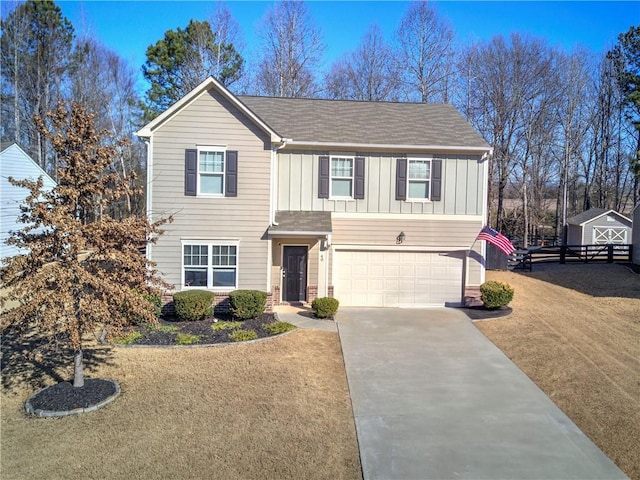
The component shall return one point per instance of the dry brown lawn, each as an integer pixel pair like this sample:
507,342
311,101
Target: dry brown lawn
274,409
575,331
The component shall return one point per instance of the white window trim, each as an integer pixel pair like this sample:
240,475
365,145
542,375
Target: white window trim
331,177
419,159
210,267
212,148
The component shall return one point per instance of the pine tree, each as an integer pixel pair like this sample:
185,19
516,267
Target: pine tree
83,269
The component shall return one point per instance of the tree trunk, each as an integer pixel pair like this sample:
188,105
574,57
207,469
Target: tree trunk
78,372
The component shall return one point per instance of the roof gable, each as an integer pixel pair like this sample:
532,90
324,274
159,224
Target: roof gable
594,213
209,83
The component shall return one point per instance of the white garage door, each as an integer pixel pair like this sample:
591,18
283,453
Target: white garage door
396,279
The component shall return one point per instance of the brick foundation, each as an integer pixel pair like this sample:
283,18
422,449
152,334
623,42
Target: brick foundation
220,302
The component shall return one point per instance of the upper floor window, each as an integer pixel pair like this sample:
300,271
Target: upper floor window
341,177
419,179
211,171
210,265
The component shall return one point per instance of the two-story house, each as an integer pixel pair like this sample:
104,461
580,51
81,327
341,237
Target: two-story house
375,203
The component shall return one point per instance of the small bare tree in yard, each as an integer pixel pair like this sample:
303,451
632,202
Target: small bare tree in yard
82,269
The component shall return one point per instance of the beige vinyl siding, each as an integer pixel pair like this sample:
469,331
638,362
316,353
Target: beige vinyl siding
424,233
462,187
212,120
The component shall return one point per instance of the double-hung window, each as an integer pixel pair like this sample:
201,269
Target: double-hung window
341,176
211,171
419,179
210,265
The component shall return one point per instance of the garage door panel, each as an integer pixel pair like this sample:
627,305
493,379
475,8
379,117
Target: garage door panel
396,279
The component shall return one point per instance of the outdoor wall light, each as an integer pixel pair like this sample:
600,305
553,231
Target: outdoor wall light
400,238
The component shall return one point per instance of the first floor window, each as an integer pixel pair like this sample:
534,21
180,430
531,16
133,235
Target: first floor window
210,265
341,177
419,178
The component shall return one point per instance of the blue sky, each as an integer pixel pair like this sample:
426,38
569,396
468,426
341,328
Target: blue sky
129,27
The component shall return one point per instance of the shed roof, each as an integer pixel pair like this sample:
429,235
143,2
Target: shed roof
358,122
592,214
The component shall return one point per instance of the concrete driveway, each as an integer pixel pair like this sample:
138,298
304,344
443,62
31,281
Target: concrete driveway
434,399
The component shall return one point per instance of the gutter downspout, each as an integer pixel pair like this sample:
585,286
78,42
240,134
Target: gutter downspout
149,145
272,205
274,179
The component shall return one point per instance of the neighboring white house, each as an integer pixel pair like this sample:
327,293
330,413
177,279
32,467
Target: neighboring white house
14,162
636,234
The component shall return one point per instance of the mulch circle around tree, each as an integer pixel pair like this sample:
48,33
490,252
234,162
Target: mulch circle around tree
64,399
483,313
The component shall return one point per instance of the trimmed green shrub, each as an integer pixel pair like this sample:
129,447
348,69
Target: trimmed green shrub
496,294
242,335
193,305
187,339
218,326
246,304
325,307
276,328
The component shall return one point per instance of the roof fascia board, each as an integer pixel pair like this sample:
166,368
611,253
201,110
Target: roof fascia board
391,146
147,130
603,214
296,233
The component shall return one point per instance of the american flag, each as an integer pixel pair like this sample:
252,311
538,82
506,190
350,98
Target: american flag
496,238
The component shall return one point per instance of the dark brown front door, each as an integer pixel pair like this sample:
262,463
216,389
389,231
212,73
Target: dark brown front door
295,274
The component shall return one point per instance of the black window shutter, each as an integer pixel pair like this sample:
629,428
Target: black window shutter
358,191
323,177
190,172
436,180
401,179
231,174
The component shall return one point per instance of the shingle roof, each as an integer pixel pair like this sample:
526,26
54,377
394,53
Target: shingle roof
302,222
354,122
586,216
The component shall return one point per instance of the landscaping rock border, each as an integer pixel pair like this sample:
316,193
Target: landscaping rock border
63,394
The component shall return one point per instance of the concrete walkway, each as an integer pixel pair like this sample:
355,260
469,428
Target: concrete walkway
434,399
304,318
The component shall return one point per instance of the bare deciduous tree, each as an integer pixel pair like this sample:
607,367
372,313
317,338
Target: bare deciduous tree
425,54
368,73
291,51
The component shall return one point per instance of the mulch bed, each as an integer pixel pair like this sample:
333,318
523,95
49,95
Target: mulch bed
64,396
202,328
484,313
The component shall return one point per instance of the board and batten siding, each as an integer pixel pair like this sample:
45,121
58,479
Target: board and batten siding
212,120
462,185
14,162
424,233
